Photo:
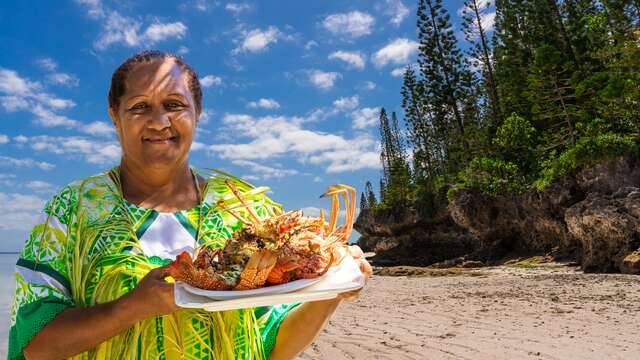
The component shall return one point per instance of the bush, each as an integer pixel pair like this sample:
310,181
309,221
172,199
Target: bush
587,151
492,176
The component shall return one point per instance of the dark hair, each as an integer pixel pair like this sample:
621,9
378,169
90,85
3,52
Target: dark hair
119,77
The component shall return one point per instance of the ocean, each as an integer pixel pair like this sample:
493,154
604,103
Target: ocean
7,287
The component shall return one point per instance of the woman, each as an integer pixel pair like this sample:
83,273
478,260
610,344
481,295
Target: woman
90,280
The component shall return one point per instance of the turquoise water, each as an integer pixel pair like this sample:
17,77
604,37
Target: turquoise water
7,287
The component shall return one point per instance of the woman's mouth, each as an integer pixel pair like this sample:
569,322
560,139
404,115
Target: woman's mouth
160,140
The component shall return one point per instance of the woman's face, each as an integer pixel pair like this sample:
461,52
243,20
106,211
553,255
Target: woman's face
157,118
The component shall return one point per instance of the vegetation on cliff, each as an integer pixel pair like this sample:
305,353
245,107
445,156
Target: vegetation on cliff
553,87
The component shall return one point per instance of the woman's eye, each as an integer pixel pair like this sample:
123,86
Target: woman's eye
174,105
138,106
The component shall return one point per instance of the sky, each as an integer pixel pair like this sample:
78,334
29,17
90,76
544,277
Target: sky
291,91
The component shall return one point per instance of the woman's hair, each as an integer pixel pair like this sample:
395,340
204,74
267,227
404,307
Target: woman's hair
119,77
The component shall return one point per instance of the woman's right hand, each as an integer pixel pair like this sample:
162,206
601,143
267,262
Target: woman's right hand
152,296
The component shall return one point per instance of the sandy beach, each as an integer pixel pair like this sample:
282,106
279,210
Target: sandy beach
549,312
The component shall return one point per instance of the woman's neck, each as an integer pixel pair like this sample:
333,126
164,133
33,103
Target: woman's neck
163,189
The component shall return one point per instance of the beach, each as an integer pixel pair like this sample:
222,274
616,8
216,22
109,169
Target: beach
545,312
549,312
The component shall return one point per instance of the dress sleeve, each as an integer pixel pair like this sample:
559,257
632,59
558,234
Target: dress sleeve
41,273
269,320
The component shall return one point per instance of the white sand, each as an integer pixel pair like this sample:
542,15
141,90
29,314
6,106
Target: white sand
507,313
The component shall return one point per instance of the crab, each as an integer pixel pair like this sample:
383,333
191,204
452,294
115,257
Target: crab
282,248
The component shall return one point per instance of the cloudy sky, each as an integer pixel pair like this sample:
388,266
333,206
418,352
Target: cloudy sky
292,90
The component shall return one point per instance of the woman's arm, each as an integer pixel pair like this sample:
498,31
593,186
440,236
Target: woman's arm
301,326
76,330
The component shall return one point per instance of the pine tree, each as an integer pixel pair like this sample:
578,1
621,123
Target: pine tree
445,76
371,196
363,203
473,15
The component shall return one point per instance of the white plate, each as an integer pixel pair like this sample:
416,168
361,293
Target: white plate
237,294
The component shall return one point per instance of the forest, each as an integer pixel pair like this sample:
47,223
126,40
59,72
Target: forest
550,88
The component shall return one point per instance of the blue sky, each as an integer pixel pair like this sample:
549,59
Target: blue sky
292,90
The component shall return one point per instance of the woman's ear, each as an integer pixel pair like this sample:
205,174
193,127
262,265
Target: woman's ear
115,120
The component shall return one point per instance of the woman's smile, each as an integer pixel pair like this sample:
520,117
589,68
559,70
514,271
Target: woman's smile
160,140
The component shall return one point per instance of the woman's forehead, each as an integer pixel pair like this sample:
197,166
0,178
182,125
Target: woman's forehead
156,77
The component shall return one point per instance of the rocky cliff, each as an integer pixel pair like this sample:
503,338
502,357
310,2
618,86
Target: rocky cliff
591,216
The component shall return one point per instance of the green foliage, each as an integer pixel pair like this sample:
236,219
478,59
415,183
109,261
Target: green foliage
492,176
588,150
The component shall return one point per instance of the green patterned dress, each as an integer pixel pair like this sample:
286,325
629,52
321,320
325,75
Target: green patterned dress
92,246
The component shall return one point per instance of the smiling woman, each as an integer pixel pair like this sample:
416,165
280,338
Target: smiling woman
91,277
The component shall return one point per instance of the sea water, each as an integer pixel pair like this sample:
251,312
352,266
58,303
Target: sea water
7,287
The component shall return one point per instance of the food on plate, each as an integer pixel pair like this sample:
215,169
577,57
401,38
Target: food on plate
282,248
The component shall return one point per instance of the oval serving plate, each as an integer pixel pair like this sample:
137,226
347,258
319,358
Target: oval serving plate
269,290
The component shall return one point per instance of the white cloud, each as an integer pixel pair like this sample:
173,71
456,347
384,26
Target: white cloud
266,172
47,64
368,85
4,139
14,103
210,80
317,179
64,79
365,117
258,40
396,10
77,147
346,103
354,59
15,201
197,146
206,115
54,77
47,118
353,24
203,5
94,8
12,84
158,31
310,45
397,72
398,51
264,104
25,162
21,139
237,8
277,136
23,94
120,29
38,185
323,80
21,211
99,128
183,50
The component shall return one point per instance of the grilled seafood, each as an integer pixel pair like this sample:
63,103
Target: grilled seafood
276,250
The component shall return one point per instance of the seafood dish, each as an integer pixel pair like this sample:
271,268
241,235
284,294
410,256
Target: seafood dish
286,247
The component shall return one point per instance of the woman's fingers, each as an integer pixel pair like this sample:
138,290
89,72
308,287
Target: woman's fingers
356,252
366,268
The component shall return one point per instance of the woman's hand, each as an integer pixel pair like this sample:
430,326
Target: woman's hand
152,295
365,267
79,329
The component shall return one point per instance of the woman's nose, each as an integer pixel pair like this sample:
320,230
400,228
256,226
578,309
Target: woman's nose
159,120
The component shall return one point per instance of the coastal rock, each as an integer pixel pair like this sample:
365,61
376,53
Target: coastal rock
412,241
592,216
608,228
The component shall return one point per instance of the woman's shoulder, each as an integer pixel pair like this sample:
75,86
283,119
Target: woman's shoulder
65,200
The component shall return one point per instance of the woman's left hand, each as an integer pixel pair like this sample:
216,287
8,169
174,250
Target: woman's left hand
365,267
